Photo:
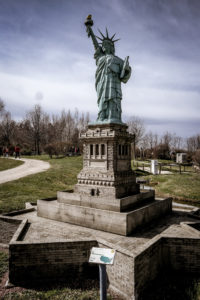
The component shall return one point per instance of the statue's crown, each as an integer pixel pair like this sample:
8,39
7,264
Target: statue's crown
107,38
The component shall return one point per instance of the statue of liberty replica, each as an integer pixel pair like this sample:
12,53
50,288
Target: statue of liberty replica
107,171
106,196
111,71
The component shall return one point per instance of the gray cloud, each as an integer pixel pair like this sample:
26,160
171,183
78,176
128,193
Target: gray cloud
44,48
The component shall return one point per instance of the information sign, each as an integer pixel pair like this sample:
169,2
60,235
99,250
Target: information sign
102,256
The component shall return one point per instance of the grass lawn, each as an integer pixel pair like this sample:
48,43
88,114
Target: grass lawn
6,163
55,294
61,176
184,187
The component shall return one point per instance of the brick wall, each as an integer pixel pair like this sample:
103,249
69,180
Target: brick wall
50,261
184,254
148,263
127,276
120,275
180,254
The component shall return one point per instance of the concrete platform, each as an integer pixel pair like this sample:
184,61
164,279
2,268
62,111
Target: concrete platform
123,223
105,203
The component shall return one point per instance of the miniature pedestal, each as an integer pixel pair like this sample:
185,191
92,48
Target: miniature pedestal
106,196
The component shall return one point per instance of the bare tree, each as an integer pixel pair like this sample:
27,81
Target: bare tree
149,143
23,136
36,119
166,139
1,106
57,128
176,143
7,128
136,127
193,143
70,125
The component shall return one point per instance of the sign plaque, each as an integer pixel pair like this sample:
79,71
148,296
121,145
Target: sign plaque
102,256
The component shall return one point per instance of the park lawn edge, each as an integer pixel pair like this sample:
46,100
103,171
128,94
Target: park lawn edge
9,163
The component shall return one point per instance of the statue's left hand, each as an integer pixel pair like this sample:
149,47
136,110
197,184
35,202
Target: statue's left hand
127,67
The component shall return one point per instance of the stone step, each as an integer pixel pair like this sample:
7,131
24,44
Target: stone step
123,223
106,203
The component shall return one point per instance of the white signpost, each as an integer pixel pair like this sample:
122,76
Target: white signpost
154,167
102,257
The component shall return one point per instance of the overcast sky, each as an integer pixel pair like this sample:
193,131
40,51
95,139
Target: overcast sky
46,58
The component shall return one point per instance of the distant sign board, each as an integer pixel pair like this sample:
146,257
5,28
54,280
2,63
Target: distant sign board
102,256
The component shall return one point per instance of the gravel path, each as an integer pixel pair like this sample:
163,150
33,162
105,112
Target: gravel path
30,166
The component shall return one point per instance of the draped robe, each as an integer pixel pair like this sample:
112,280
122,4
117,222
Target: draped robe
108,86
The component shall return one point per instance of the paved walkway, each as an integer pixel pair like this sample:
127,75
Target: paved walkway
30,166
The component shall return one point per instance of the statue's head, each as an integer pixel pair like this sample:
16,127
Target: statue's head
108,45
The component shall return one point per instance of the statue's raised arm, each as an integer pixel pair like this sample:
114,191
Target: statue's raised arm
111,71
89,23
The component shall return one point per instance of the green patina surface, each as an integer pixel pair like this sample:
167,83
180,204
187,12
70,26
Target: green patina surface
111,71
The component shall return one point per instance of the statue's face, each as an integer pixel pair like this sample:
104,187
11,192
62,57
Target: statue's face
108,47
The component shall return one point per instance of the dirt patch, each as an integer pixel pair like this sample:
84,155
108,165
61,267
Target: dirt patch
4,291
6,231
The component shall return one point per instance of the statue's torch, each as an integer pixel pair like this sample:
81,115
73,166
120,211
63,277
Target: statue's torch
88,23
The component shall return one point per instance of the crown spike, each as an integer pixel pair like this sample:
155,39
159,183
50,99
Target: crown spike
113,36
101,33
107,36
99,38
115,40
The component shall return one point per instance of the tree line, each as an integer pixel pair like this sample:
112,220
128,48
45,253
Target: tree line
40,132
149,145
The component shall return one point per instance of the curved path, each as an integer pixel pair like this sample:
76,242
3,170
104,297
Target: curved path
30,166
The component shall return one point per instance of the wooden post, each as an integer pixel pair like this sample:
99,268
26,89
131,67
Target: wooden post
180,168
160,167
